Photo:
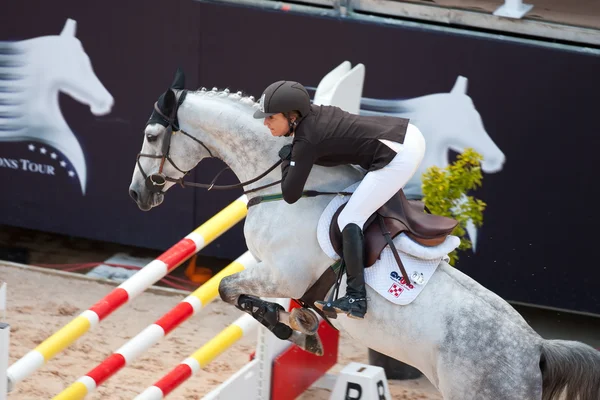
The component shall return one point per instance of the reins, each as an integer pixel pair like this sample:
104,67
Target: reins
155,182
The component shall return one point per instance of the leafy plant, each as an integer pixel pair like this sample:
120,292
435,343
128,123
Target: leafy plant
445,193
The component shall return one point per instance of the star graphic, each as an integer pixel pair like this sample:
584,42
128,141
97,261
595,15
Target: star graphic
43,150
63,164
31,147
53,155
71,174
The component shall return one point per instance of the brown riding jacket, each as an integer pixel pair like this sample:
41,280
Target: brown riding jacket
330,136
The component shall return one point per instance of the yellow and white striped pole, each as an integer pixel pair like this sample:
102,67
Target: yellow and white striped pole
128,290
200,359
139,344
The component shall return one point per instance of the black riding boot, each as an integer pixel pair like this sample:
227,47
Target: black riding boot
354,303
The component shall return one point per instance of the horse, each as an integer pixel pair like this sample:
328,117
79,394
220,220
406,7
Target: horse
468,341
29,107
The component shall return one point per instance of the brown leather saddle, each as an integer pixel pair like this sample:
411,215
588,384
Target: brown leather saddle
396,216
399,215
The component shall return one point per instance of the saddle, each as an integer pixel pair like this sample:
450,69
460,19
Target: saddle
396,216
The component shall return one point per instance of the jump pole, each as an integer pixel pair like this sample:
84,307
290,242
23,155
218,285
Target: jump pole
279,370
151,335
128,290
243,326
4,343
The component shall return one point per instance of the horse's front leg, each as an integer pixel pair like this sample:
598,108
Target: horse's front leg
245,289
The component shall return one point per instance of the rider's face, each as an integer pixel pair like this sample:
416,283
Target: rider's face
277,124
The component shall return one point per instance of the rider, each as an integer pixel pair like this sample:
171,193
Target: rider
389,148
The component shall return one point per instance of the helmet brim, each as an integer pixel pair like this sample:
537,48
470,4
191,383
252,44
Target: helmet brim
259,114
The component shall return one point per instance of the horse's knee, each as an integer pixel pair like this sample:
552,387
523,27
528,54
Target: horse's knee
226,291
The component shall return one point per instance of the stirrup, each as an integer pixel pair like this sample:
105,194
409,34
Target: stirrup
325,307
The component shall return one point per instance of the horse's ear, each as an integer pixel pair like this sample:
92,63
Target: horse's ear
69,28
179,81
169,101
460,86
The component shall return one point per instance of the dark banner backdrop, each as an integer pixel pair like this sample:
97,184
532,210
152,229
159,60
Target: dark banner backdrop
538,104
134,50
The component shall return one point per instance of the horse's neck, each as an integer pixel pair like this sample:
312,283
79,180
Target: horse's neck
225,124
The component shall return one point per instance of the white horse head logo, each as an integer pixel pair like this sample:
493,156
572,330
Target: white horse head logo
449,121
32,73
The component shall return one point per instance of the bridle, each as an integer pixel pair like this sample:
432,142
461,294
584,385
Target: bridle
156,181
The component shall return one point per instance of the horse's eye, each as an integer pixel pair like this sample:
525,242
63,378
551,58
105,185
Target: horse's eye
151,138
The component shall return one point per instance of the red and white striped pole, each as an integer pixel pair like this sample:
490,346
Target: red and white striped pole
128,290
203,356
154,333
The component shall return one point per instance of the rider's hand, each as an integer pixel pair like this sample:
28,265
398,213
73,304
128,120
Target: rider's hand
286,152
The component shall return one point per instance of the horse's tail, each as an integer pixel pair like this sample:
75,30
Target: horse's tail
570,367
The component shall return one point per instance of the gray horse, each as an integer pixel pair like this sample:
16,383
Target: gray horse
469,342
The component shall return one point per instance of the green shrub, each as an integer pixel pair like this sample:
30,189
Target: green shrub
445,192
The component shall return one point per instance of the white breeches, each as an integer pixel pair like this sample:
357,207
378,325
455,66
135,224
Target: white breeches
377,187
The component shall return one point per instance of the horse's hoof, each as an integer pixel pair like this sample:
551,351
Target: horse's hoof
310,343
305,321
313,345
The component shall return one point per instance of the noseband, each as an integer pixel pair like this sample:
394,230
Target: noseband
156,182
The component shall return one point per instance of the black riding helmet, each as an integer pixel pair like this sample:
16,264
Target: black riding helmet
283,96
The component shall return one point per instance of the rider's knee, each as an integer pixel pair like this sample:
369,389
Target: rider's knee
347,219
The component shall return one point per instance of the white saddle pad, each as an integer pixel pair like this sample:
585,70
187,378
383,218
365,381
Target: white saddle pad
384,276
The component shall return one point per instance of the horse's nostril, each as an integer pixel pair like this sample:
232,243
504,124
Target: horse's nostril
133,194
